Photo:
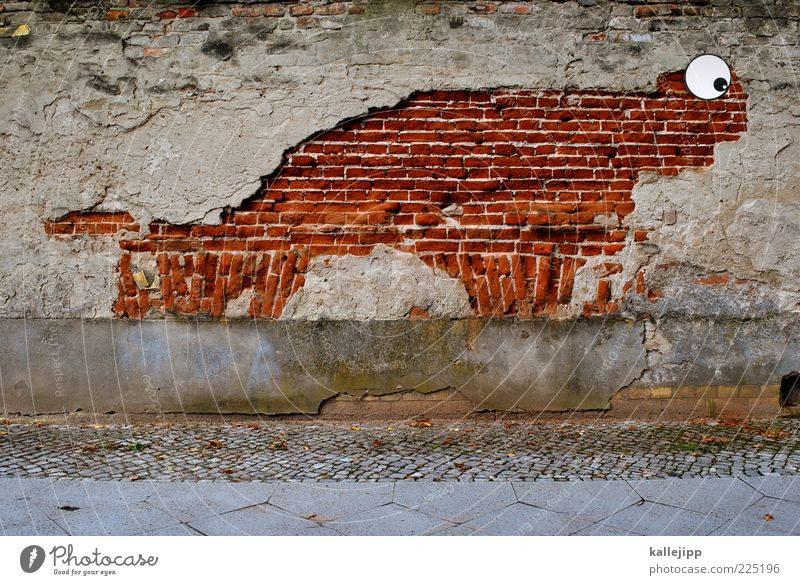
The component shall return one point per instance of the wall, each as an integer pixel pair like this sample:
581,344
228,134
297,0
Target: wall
365,162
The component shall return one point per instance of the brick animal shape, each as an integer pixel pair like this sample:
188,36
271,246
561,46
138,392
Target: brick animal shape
509,191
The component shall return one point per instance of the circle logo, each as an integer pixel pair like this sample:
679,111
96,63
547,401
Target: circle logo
31,558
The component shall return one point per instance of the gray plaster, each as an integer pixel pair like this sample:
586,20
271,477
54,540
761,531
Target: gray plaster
292,366
387,284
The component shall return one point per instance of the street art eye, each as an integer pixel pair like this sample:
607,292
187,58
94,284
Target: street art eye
708,77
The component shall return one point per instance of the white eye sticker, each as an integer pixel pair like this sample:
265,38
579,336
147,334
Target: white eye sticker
708,77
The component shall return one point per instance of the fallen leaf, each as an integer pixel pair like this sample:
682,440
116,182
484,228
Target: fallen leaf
89,447
227,471
376,443
318,518
134,478
769,517
461,466
355,427
214,444
632,427
305,447
509,454
422,422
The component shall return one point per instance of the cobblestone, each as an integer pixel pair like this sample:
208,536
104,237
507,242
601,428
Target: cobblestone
280,450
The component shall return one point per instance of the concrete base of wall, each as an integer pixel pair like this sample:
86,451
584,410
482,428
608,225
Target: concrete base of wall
395,368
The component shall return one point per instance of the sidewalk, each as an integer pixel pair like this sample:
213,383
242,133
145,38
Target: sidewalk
701,506
322,478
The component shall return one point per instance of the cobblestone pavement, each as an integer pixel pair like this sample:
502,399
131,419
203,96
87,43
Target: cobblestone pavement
415,450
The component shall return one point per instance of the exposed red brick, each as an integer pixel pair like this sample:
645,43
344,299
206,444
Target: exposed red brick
526,172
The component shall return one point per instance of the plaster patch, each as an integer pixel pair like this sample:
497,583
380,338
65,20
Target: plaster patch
385,285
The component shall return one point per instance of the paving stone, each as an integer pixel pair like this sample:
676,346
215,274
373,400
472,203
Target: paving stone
722,496
190,500
330,500
660,520
593,500
19,518
600,530
174,530
262,520
388,520
768,516
455,502
524,520
780,487
275,450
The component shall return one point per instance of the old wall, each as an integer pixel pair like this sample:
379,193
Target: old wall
142,160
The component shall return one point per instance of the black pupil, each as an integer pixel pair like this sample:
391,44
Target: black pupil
720,84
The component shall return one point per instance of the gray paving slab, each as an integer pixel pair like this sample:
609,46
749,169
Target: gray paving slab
82,493
18,487
100,508
19,518
768,516
452,501
330,500
594,500
404,507
653,519
600,530
174,530
388,520
723,496
782,487
192,500
523,520
112,519
261,520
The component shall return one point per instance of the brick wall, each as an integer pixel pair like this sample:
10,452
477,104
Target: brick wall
508,191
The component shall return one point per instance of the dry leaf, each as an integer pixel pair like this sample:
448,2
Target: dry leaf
214,444
89,447
461,466
769,517
227,471
134,478
355,427
422,422
376,443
